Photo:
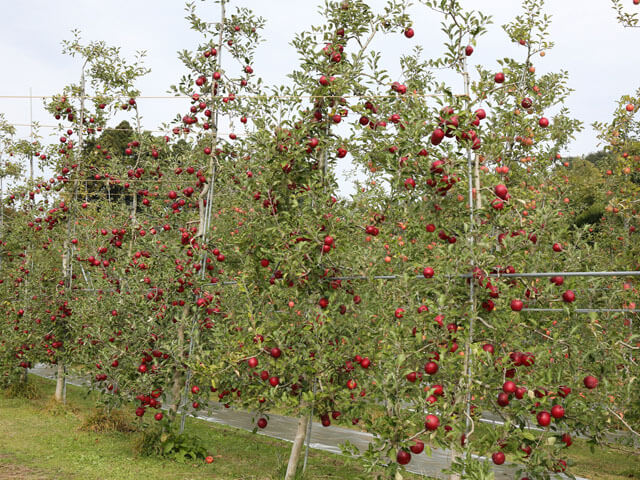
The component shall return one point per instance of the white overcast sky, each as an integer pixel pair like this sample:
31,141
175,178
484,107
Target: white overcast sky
600,55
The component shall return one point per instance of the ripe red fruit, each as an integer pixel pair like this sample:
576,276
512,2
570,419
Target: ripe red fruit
418,448
399,313
409,33
324,303
503,399
264,262
437,136
509,387
142,368
209,459
499,78
543,122
468,50
431,423
568,296
590,382
274,381
412,376
566,438
557,247
158,416
544,419
403,457
195,389
487,347
630,107
253,362
276,352
501,191
365,362
557,411
481,114
351,384
431,368
564,391
498,458
428,272
516,305
262,422
326,421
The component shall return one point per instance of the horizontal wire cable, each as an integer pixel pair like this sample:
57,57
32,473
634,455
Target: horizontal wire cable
267,96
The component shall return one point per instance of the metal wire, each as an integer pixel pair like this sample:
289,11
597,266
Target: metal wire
582,310
503,275
285,97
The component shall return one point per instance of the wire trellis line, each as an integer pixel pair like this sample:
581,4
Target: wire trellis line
583,310
265,96
102,129
502,275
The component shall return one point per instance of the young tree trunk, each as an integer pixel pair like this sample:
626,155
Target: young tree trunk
178,373
454,457
176,390
296,449
60,384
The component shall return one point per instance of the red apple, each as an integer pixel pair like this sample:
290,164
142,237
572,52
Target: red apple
498,458
501,191
403,457
418,447
431,368
431,423
517,305
544,419
557,411
590,382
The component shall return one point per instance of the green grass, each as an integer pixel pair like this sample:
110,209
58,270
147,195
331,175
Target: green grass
604,463
37,442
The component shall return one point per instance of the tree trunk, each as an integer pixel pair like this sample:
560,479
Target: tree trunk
60,383
454,457
178,374
176,390
296,449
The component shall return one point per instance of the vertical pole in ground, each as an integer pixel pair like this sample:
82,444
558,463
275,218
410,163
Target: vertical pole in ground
308,439
205,210
64,387
468,364
31,134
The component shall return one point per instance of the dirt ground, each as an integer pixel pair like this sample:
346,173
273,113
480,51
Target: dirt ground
12,471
